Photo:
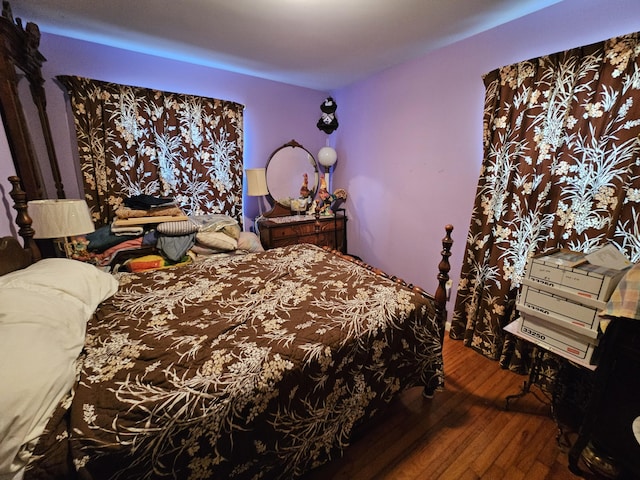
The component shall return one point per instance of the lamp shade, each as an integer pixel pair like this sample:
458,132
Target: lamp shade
327,156
256,182
60,218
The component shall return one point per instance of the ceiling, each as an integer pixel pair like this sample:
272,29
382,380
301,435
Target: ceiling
320,44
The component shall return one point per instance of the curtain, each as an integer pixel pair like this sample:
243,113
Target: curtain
561,168
134,141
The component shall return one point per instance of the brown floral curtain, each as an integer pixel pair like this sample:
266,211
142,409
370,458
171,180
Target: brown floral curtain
561,169
135,140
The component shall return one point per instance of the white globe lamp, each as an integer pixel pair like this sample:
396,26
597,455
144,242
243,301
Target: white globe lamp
327,156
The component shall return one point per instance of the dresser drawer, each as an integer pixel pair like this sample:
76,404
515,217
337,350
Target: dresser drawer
324,232
307,228
322,240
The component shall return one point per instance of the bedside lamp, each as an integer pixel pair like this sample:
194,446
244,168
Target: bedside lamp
257,184
60,219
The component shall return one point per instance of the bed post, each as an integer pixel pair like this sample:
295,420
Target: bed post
443,278
440,296
23,220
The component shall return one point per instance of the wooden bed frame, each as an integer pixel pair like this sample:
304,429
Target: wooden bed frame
21,60
14,256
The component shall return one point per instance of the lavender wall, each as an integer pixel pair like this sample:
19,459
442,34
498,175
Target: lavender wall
275,113
409,142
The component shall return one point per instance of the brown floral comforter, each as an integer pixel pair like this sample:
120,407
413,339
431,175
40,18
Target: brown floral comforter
251,366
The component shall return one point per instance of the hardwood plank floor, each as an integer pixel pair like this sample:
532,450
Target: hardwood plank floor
464,432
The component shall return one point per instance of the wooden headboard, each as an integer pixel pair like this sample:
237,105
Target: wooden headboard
14,256
21,60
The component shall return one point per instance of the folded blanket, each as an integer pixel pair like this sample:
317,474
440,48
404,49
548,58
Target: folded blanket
625,299
127,230
125,212
106,256
103,238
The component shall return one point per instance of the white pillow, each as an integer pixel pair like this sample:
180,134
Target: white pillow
41,336
217,240
43,314
183,227
249,242
64,277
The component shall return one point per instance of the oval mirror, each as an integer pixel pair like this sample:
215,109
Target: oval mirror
285,172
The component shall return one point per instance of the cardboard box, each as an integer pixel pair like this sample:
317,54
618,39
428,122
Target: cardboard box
569,272
563,342
557,309
566,293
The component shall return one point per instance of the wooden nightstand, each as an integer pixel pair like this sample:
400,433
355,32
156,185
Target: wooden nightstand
323,231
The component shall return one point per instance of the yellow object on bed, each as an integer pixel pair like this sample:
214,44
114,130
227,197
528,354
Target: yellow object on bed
153,262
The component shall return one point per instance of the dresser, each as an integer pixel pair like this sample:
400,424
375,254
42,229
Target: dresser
324,231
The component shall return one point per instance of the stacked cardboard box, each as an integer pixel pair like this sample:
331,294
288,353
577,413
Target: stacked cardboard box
561,297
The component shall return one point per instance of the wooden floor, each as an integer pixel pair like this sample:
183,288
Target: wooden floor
464,432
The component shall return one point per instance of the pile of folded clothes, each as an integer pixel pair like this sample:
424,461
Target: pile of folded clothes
149,233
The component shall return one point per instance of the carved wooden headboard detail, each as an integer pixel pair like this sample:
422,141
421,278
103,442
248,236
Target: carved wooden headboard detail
20,58
14,256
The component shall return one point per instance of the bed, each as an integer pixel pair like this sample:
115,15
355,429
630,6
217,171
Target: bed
244,366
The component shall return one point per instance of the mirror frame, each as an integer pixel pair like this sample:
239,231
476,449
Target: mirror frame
20,57
278,208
